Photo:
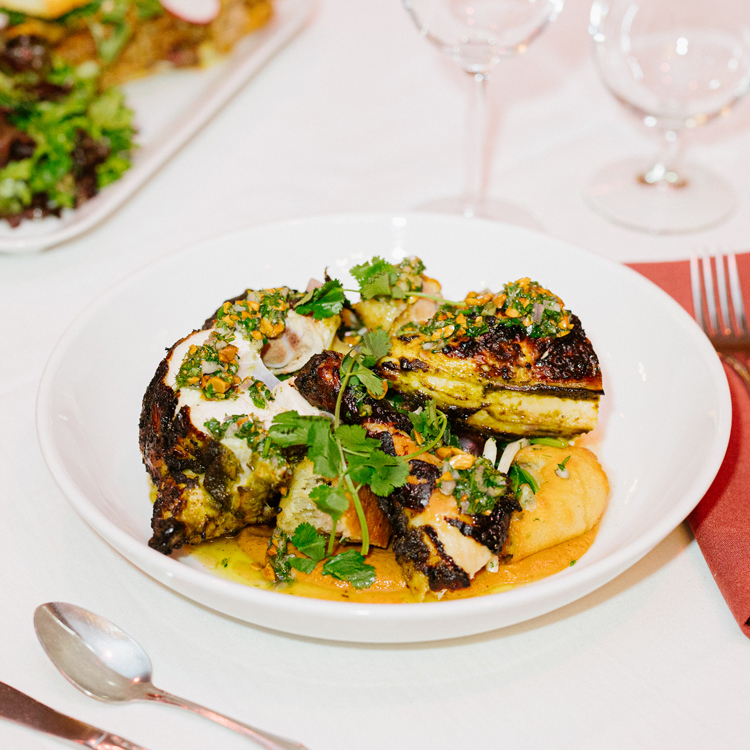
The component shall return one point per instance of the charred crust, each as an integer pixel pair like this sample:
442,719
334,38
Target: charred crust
446,574
412,365
490,530
568,357
416,495
319,383
413,554
169,535
386,443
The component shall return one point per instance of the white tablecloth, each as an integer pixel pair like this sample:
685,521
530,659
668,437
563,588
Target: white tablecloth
358,113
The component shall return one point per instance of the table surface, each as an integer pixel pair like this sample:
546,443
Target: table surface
360,114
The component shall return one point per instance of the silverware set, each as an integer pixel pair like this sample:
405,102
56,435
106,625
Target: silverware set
104,662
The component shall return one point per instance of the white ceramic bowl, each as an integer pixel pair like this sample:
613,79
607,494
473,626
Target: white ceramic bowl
663,430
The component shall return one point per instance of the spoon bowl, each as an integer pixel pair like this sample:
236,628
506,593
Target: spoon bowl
93,653
106,663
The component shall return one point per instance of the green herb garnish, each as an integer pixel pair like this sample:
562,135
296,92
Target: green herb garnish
479,487
350,566
323,302
518,477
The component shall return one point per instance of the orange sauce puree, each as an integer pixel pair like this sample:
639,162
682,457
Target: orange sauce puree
242,559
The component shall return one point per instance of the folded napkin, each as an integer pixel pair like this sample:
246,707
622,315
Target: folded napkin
721,522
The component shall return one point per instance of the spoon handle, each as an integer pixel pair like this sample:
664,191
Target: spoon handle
112,742
265,739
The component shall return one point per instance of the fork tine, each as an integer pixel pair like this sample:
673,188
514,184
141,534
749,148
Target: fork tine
721,284
708,283
695,285
735,291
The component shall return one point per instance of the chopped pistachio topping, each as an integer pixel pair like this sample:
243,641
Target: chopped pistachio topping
212,368
260,316
527,303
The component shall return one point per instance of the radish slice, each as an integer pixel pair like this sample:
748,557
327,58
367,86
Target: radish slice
194,11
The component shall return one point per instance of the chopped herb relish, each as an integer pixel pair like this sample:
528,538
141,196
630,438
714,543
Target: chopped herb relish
212,368
450,322
522,303
260,393
247,428
539,311
260,316
477,488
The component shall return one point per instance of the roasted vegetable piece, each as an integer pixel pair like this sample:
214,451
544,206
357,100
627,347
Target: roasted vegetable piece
499,370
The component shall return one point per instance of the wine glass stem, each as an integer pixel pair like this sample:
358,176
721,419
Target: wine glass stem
476,132
666,171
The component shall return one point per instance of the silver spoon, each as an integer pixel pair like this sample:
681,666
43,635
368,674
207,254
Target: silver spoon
107,664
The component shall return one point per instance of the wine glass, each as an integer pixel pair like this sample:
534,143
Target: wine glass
676,65
477,34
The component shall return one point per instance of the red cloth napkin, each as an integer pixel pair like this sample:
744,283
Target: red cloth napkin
721,522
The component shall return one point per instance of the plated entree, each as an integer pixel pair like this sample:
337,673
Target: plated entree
66,130
401,441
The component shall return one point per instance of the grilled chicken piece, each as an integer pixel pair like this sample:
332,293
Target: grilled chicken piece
204,420
297,507
290,339
438,541
205,488
487,365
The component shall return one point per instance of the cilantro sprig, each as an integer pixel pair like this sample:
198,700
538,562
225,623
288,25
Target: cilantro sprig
430,426
349,566
342,452
379,278
323,302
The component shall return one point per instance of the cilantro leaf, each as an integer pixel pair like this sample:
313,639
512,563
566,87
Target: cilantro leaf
368,463
289,428
303,564
428,422
378,286
375,345
307,540
354,439
323,302
382,472
370,381
323,451
371,268
351,567
330,500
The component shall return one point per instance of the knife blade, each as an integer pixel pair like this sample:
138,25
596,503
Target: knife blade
22,709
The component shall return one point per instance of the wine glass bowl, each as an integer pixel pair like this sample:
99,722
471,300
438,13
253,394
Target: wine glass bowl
676,66
477,34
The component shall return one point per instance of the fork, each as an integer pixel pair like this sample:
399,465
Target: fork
726,328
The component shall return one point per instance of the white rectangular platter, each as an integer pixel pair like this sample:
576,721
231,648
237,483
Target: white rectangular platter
170,108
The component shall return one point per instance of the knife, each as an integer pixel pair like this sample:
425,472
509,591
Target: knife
21,709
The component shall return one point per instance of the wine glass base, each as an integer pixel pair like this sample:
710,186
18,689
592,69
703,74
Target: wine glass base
508,213
617,194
